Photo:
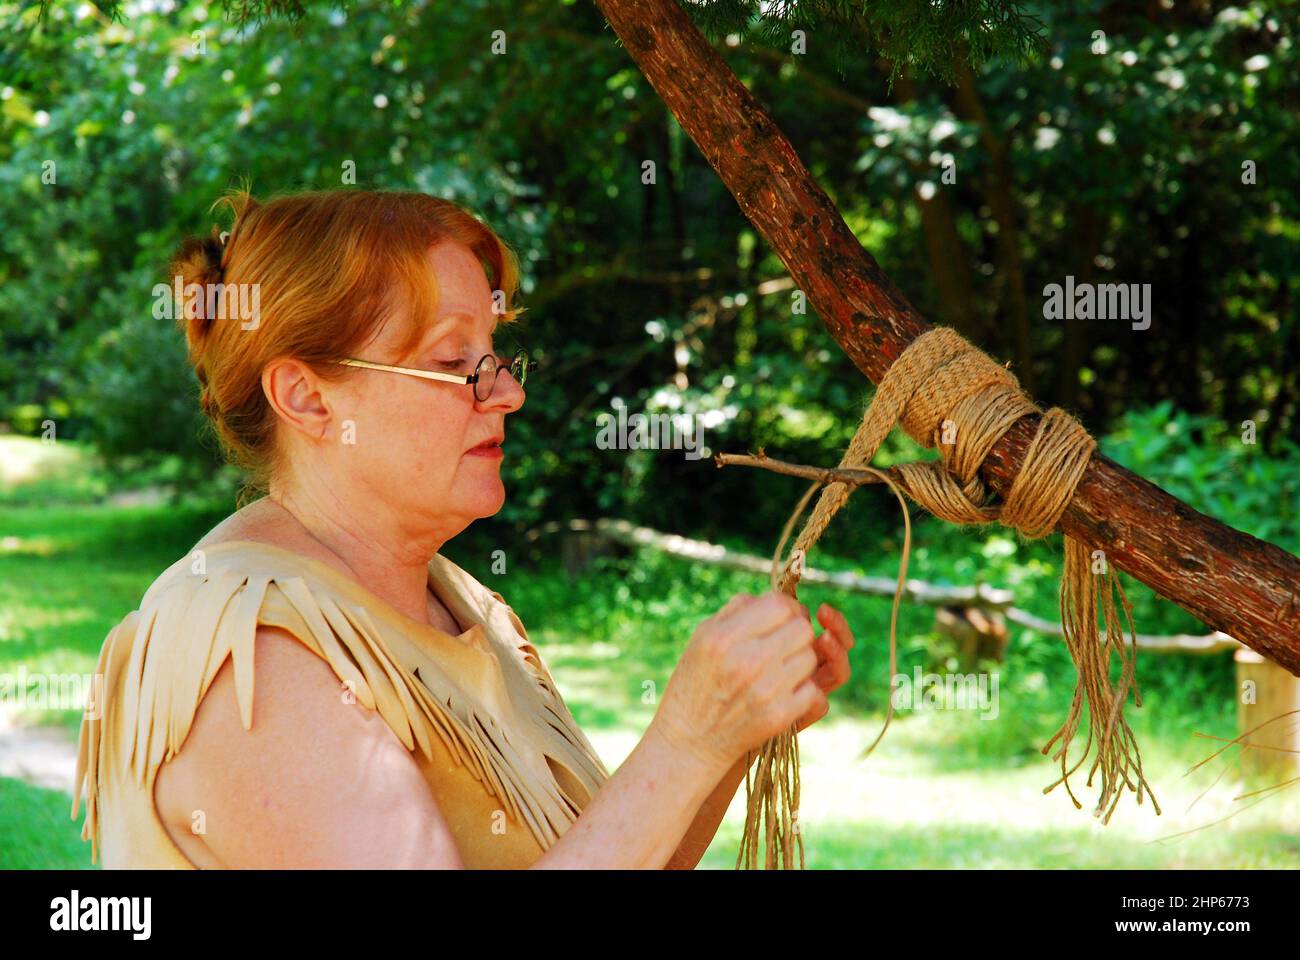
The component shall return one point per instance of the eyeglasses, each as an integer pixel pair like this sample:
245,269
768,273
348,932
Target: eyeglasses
486,372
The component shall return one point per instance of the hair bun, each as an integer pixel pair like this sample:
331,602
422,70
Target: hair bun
197,261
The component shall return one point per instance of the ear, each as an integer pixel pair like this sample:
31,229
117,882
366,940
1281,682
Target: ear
294,392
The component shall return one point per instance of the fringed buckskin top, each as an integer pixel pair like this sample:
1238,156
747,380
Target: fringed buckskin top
479,711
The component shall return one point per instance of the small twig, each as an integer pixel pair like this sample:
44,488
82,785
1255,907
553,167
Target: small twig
852,477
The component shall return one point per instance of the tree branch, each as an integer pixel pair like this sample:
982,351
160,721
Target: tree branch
1232,581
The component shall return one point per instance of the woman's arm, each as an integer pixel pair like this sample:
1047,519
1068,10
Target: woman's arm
702,820
705,825
832,673
318,781
349,794
639,816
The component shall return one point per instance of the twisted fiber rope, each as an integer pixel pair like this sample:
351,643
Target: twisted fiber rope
943,380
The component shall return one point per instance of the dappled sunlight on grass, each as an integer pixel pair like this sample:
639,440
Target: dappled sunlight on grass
33,470
884,812
34,618
604,687
79,571
892,810
28,546
30,460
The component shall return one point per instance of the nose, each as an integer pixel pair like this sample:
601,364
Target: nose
507,393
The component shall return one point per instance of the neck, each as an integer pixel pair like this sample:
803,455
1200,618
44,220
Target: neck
382,556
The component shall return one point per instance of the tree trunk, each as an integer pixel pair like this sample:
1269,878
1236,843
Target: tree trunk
949,259
1088,225
998,189
1232,581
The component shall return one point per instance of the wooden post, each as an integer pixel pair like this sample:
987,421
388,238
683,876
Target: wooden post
1265,691
580,548
975,634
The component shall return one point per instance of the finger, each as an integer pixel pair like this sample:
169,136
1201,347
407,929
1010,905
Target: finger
735,603
762,616
834,621
828,647
809,699
811,717
789,638
799,667
829,617
785,676
832,663
836,671
822,649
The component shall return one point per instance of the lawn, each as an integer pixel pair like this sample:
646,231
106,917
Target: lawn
943,789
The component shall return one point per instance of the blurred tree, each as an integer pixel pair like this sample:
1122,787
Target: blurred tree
1125,163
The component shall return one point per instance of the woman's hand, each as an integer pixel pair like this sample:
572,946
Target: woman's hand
832,647
747,674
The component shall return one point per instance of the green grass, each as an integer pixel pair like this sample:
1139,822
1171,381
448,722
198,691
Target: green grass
36,832
69,574
948,789
41,473
941,790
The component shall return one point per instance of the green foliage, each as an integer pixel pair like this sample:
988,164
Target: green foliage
1213,467
926,35
922,33
664,297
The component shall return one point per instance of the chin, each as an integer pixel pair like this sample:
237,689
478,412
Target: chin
485,500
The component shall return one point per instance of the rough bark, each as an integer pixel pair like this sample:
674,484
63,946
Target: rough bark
1232,581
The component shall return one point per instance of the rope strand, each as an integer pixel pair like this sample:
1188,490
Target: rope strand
948,394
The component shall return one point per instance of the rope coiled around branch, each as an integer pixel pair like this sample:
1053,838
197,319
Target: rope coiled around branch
948,394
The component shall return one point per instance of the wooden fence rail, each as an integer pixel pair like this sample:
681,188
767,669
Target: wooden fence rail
1265,691
980,596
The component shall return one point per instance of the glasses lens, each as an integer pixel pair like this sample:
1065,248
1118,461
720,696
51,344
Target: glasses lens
519,367
487,377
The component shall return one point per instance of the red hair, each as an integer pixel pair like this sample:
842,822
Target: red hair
327,264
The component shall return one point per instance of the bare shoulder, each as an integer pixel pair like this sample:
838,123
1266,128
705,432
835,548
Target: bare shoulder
318,781
265,521
262,520
237,526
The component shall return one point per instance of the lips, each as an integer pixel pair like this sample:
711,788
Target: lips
490,443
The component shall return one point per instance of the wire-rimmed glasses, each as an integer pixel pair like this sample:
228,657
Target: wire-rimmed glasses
486,371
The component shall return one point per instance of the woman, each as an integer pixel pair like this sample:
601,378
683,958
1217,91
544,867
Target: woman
401,717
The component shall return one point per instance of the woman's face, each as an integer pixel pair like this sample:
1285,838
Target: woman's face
415,439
